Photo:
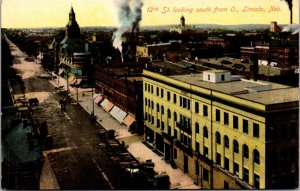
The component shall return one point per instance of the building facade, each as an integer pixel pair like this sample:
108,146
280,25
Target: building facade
222,132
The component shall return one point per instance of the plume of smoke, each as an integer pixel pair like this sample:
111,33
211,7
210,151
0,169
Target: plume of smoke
130,14
290,4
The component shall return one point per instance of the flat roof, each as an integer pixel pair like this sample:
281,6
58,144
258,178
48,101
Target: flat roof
278,94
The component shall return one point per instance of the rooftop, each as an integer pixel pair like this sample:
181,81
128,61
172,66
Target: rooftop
242,89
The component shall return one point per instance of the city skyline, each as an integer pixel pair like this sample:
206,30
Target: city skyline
42,13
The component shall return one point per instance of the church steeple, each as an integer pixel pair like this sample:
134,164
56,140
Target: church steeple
72,14
72,28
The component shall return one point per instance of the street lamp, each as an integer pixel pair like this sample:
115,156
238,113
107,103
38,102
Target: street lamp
92,116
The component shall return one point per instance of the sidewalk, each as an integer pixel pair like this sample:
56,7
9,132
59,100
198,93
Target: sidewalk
178,179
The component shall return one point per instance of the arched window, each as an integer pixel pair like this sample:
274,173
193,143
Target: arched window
245,151
256,156
157,107
197,127
218,138
226,141
205,132
169,114
175,116
162,109
235,146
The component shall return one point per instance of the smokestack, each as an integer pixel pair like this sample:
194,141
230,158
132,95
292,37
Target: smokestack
130,14
290,4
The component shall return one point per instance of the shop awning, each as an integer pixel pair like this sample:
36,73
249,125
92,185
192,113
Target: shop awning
73,81
71,78
60,71
104,102
128,120
95,96
98,99
118,113
108,106
78,81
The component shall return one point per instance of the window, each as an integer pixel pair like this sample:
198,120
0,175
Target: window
256,156
145,101
197,147
245,174
208,77
217,115
226,119
218,159
152,120
168,96
162,125
222,77
169,113
162,110
226,163
152,89
218,138
175,153
162,93
180,103
235,122
256,181
226,185
196,107
197,127
235,146
175,133
175,116
245,126
205,110
152,105
205,132
157,123
174,98
226,141
205,151
146,116
149,103
205,174
245,151
188,104
157,91
145,86
169,130
197,168
157,107
148,87
236,168
255,130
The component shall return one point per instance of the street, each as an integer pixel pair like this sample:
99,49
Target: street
78,157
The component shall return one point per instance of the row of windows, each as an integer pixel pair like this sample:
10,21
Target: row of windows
184,102
235,125
256,157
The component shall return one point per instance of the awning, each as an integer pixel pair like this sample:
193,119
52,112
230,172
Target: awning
104,102
60,71
108,106
118,113
128,120
78,81
73,81
95,96
98,99
71,78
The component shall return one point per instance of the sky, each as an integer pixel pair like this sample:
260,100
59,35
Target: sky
54,13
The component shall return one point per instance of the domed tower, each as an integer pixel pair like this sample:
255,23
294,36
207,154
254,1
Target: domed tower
182,21
72,28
